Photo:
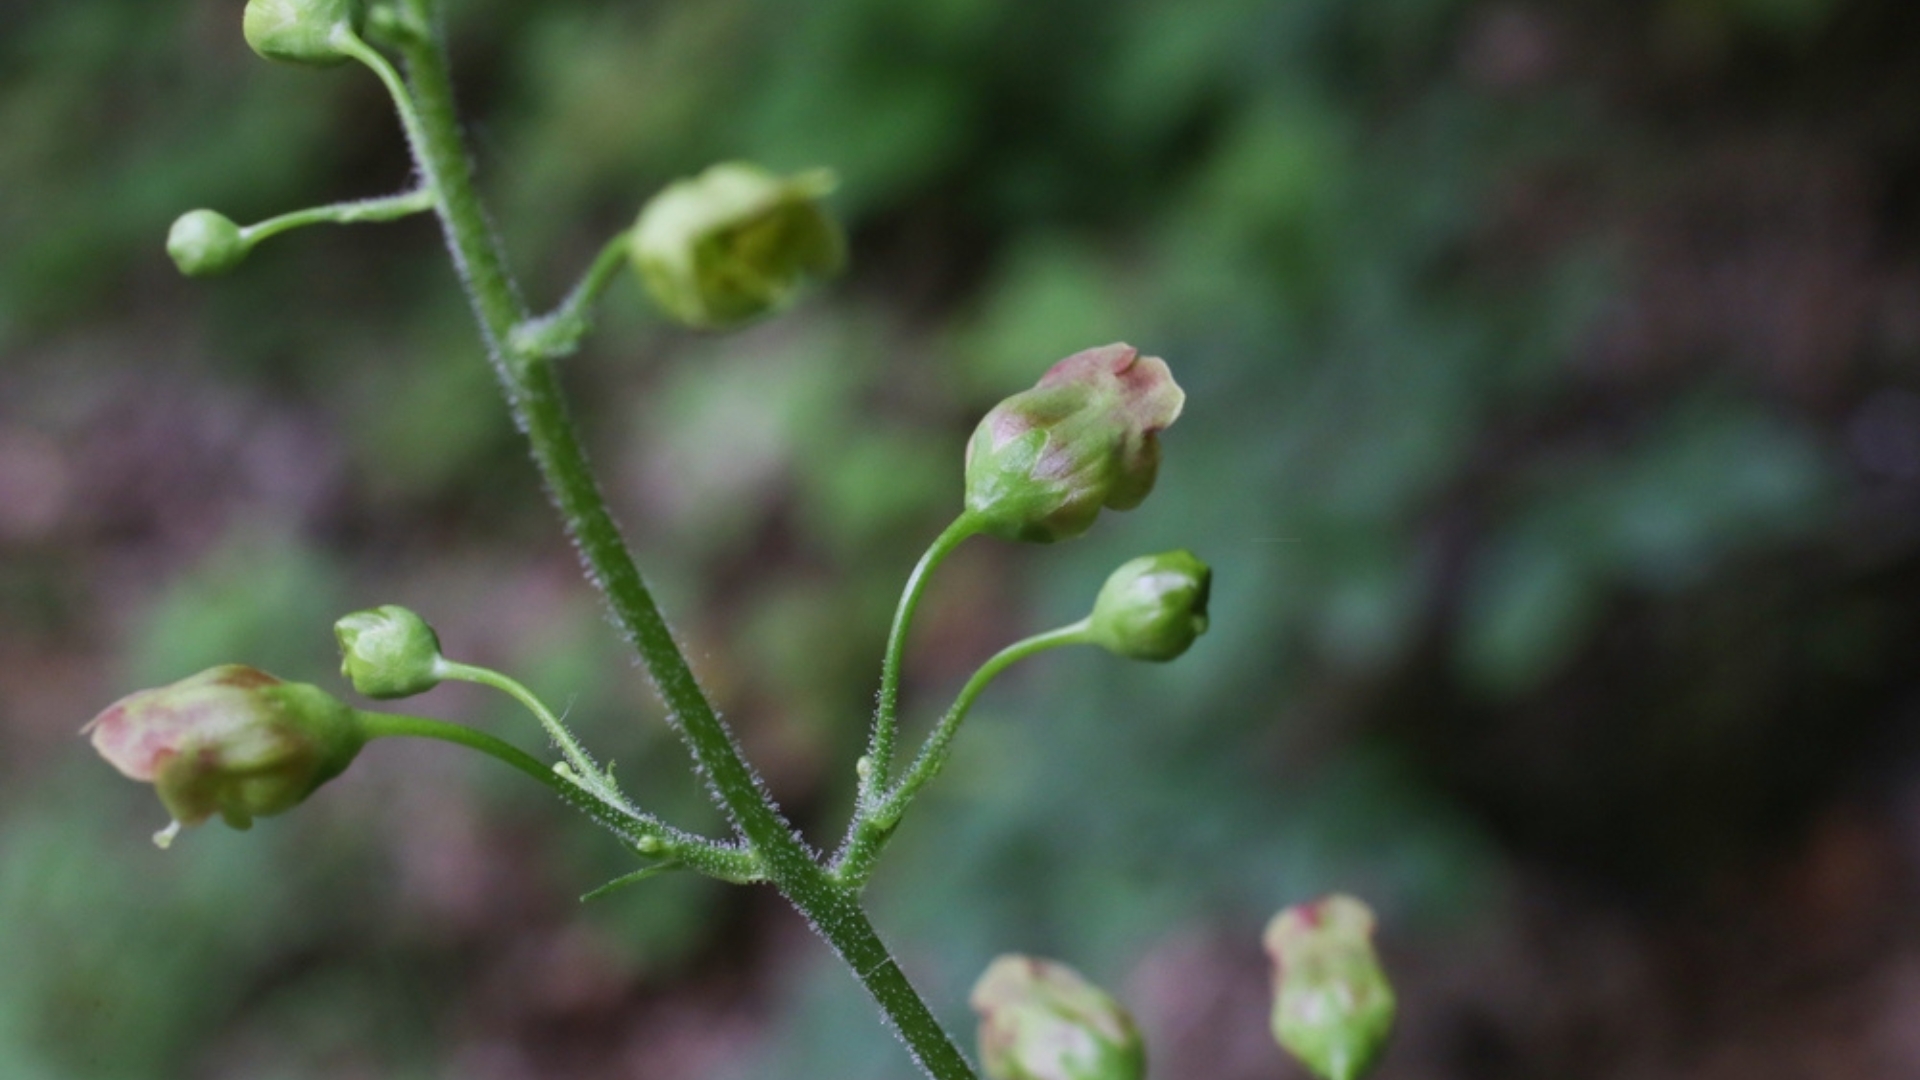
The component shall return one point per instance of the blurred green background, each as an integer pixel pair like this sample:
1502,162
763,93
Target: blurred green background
1553,429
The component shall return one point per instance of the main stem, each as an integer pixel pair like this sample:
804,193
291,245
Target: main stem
533,394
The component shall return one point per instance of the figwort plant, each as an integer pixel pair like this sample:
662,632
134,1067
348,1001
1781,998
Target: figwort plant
732,244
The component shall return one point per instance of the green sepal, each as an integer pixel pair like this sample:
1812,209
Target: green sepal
300,31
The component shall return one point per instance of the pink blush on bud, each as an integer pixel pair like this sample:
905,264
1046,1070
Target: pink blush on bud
138,751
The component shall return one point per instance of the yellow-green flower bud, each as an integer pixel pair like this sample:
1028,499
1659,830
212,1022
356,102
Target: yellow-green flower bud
232,740
734,242
1043,462
1153,607
205,243
1041,1021
1332,1005
300,31
388,652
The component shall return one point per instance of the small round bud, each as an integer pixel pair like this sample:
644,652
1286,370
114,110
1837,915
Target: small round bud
205,243
299,31
1153,607
231,740
734,242
1333,1007
1043,462
1041,1021
388,652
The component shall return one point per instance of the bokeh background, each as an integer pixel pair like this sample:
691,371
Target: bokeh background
1553,428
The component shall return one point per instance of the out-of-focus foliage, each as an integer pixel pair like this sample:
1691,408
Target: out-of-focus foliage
1551,431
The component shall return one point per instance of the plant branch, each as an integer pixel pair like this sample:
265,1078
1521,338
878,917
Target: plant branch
533,394
558,332
583,764
856,861
877,765
385,208
647,835
933,754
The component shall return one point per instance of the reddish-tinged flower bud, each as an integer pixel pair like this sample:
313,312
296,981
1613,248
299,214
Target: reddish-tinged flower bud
232,740
1043,462
1041,1021
1332,1004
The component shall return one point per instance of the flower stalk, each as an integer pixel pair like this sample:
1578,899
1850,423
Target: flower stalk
531,387
730,244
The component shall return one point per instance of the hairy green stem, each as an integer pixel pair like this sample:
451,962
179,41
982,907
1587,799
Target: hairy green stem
558,332
645,834
940,743
385,208
870,834
583,764
532,389
350,43
877,766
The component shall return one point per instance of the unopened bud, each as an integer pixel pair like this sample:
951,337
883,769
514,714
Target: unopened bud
1332,1004
1043,462
205,243
231,740
734,242
1153,607
300,31
388,652
1041,1021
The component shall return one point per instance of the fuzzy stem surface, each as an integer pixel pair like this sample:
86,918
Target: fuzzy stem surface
588,770
878,767
872,831
384,208
558,333
646,835
532,389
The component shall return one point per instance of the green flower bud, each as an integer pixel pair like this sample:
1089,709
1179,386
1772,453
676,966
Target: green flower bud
231,740
1041,1021
388,652
735,242
205,243
1043,462
1332,1005
1153,607
300,31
